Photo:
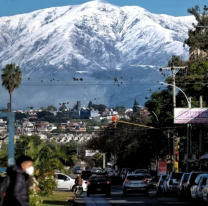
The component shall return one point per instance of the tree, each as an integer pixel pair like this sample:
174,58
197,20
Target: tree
198,37
43,108
176,61
11,79
63,107
127,142
120,109
136,102
90,104
51,108
136,106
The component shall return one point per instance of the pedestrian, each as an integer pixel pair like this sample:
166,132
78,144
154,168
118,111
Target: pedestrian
17,191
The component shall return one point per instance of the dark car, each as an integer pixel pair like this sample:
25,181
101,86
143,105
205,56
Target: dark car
191,180
159,185
86,174
99,184
181,184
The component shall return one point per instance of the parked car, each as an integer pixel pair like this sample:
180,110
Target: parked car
99,184
170,186
205,192
123,173
78,170
159,185
184,179
148,177
187,186
199,184
135,183
64,182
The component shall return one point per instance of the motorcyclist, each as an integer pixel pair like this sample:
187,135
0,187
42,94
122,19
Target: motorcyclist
78,181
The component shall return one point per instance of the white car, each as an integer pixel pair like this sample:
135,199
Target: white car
64,182
199,185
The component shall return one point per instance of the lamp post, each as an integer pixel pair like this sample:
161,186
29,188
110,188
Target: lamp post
188,125
187,99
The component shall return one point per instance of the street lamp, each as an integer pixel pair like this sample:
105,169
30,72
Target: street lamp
188,101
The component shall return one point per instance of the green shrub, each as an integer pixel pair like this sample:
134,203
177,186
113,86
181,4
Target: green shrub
47,185
35,199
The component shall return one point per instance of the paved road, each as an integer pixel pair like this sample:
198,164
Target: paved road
135,199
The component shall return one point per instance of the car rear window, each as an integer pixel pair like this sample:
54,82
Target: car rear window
147,176
176,175
98,178
136,177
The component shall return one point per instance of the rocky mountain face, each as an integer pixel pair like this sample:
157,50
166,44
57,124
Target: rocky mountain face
104,45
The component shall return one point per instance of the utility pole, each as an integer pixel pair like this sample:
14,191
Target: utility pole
188,139
174,89
201,149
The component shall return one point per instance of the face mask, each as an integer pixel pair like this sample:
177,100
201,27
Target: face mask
30,170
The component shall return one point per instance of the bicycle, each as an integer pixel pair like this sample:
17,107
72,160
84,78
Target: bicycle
78,190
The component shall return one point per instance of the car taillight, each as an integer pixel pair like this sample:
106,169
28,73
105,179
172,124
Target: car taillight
145,180
108,182
127,181
88,183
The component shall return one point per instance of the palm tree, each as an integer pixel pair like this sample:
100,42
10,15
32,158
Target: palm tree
11,79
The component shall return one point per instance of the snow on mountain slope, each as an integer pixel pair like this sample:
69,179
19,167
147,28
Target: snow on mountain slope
92,36
96,41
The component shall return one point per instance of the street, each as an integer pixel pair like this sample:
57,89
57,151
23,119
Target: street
132,199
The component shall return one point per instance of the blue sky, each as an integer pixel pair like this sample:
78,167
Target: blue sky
171,7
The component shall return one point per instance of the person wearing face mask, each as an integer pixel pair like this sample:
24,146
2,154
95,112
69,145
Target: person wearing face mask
17,191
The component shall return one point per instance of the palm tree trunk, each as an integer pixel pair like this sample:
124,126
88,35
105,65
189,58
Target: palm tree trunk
10,99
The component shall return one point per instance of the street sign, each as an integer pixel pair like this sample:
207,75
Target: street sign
190,115
90,153
162,168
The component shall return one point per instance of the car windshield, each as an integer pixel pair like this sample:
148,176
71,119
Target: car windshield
194,176
177,176
164,177
136,177
186,176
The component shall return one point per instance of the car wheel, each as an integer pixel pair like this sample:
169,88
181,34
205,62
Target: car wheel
73,188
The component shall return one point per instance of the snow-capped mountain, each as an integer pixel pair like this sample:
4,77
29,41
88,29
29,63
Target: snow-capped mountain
91,39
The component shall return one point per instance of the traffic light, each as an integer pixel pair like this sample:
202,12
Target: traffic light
177,147
177,144
114,121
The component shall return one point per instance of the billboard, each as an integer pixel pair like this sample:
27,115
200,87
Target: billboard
190,115
162,168
90,153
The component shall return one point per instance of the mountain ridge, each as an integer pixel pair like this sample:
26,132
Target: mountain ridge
91,41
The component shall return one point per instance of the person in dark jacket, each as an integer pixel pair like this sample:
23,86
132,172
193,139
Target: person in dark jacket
17,192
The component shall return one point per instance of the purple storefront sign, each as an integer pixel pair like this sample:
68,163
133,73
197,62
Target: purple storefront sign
190,115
